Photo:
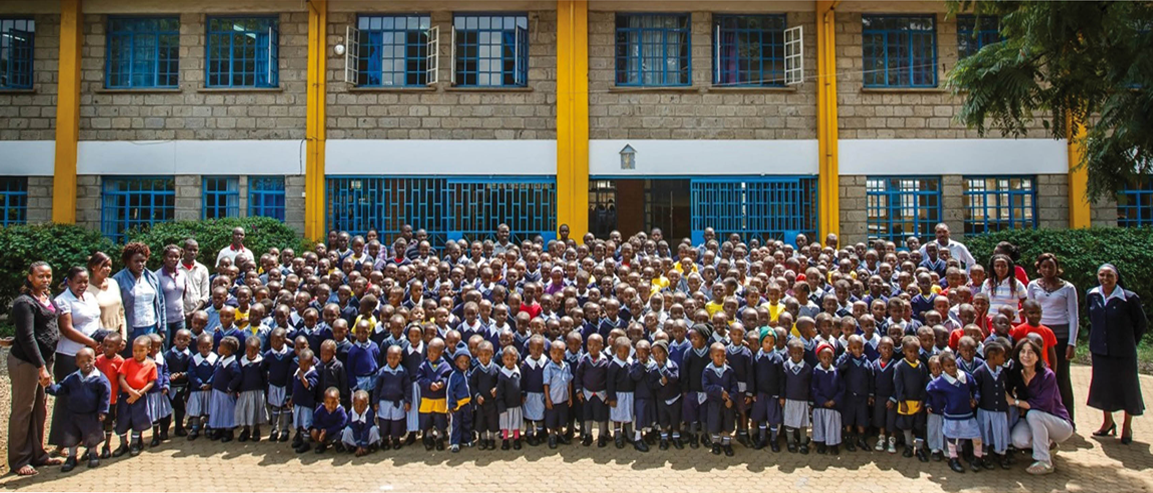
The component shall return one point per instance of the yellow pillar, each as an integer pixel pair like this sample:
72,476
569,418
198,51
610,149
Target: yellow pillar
314,205
572,116
67,113
1079,208
830,198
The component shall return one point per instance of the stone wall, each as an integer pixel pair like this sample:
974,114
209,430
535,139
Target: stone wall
31,115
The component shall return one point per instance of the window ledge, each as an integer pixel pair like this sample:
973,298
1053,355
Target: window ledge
392,89
240,89
141,90
752,89
18,91
657,89
488,89
903,90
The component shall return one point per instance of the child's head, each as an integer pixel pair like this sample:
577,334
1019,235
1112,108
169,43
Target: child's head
360,401
252,347
717,354
463,360
940,337
573,341
509,356
331,398
536,345
595,344
85,359
228,346
484,352
643,350
967,346
621,347
885,348
300,344
825,354
227,317
1001,325
363,329
276,338
393,356
306,356
340,330
796,350
327,350
995,353
1032,312
556,351
926,338
155,344
203,343
935,365
856,345
435,349
911,347
769,341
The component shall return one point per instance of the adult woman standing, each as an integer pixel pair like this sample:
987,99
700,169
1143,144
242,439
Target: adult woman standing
79,320
141,293
1002,286
34,314
1059,312
106,292
173,283
1116,323
1032,387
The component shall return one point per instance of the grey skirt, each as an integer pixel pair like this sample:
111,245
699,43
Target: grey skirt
511,418
198,403
623,413
221,410
796,414
534,406
276,396
962,429
251,408
158,405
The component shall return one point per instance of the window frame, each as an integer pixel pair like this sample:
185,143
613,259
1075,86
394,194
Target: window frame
776,77
421,59
971,30
875,222
271,59
23,68
520,50
259,195
14,199
910,79
624,76
159,60
992,203
217,203
115,228
1136,197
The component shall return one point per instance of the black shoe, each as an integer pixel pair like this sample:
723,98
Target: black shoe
955,465
821,449
283,436
693,443
385,444
566,438
850,445
716,449
69,464
105,452
321,447
706,440
728,450
641,446
483,444
862,445
552,441
908,452
297,440
743,440
504,445
302,448
664,444
155,440
120,451
428,443
679,444
792,447
93,460
440,443
135,448
760,443
834,450
620,441
804,449
227,437
1006,461
193,434
532,440
244,434
164,435
938,456
987,463
602,441
411,439
775,446
975,465
339,447
181,432
922,456
516,444
587,440
255,434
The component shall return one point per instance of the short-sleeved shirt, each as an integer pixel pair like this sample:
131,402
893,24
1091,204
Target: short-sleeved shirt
110,367
85,312
1021,331
137,374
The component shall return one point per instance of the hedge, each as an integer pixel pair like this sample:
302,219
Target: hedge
61,245
1081,252
261,233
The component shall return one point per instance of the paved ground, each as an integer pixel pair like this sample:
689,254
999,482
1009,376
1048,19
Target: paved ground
1083,464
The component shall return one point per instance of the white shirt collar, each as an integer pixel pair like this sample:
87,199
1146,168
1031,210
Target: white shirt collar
228,361
794,367
392,370
198,359
537,363
416,349
1117,293
619,361
245,361
356,417
953,381
508,372
830,369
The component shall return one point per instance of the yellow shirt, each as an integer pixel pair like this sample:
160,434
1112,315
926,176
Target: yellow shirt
713,307
371,320
680,269
775,310
242,316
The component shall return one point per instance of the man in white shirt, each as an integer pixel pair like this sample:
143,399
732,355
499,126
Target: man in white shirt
956,249
199,289
236,248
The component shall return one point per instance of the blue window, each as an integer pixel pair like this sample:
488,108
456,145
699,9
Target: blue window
653,50
393,50
1135,203
491,50
266,196
16,41
142,52
994,203
221,197
137,202
14,198
527,204
974,33
755,207
749,51
243,52
902,206
900,51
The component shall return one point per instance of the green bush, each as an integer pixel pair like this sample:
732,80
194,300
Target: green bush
1081,252
261,233
61,245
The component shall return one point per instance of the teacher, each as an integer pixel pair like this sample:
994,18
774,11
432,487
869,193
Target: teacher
34,314
79,321
1060,313
1116,323
141,293
1032,388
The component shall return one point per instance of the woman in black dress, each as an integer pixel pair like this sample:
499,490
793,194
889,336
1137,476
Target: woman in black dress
1116,324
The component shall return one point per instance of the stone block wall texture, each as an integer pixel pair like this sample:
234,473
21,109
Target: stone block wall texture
31,115
88,201
701,111
443,111
193,112
39,199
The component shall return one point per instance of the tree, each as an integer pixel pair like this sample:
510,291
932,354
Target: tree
1065,63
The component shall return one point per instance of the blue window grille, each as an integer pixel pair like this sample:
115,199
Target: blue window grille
17,37
755,207
448,208
1135,203
131,203
14,194
653,50
994,203
490,50
221,197
142,52
902,206
393,50
900,51
749,50
266,196
974,33
243,52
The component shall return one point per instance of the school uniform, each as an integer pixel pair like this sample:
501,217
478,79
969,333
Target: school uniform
692,368
433,403
667,393
572,361
158,403
532,373
644,402
332,374
482,381
251,404
304,397
200,373
460,406
88,398
740,359
226,380
716,381
509,397
677,351
883,391
909,381
391,391
992,407
558,378
969,366
951,396
362,365
871,350
767,383
857,374
591,380
827,385
797,392
412,358
361,430
342,348
178,363
315,336
619,387
220,333
332,423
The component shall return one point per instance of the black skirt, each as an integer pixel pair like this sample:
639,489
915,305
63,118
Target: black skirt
1115,385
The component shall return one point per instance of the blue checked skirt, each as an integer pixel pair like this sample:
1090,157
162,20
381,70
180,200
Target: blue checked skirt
221,410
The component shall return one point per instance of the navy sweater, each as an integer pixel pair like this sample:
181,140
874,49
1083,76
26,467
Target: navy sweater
740,359
642,387
226,376
305,396
201,373
692,367
991,389
883,385
715,384
592,375
669,390
532,377
618,379
909,382
508,390
827,385
952,399
178,363
482,381
798,382
392,385
768,374
87,395
252,375
279,368
857,374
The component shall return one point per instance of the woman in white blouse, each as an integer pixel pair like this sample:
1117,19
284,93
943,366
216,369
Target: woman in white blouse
79,320
1002,286
1059,312
107,293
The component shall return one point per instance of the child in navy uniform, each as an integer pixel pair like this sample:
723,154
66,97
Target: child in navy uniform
934,417
414,355
482,382
591,382
88,392
573,354
332,372
740,359
644,406
328,421
620,388
433,378
828,394
557,392
693,364
509,397
768,382
666,388
910,376
460,400
392,396
279,368
884,404
203,367
304,385
954,395
796,396
251,404
179,359
992,406
226,380
857,373
720,384
159,407
360,434
363,357
533,385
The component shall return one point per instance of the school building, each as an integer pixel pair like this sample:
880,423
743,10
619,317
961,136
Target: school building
454,116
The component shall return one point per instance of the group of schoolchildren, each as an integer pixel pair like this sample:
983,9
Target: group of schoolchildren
547,344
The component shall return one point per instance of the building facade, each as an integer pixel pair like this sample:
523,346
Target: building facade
457,116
